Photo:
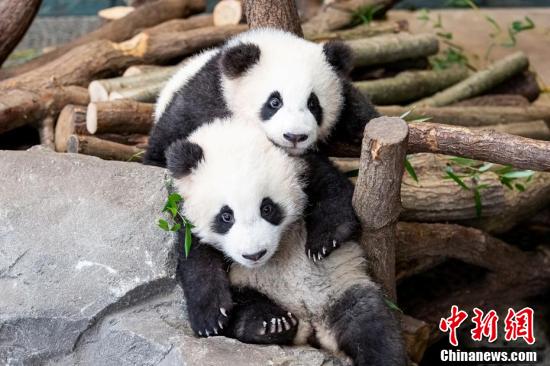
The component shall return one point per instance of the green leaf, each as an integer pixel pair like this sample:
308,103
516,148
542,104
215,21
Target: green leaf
176,227
404,115
506,181
424,15
174,198
456,178
422,119
477,200
485,167
446,35
410,169
188,239
352,173
504,170
463,161
520,187
163,224
518,174
392,305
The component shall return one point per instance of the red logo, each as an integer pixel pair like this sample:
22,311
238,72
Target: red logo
452,323
519,325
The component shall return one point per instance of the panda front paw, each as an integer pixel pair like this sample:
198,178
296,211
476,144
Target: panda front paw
210,317
324,239
265,325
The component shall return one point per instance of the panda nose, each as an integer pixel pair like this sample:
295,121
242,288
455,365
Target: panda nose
256,256
294,138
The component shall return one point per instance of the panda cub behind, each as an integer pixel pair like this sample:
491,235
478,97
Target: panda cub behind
253,215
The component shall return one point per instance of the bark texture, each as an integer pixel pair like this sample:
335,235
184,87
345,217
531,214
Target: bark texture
281,14
377,194
494,147
392,47
16,17
472,116
481,81
409,86
108,150
118,30
123,116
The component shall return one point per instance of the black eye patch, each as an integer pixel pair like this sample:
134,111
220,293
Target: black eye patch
224,220
273,103
271,212
315,108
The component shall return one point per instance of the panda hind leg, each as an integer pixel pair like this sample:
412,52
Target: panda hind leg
257,319
365,328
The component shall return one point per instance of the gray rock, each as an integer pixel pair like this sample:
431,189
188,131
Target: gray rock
87,277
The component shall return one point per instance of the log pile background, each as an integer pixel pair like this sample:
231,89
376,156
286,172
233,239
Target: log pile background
487,214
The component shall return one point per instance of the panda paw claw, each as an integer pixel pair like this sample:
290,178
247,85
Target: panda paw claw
267,325
323,241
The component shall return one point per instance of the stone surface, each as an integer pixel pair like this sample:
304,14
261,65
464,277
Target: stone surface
87,278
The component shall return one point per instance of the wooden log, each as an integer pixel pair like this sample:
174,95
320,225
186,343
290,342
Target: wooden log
409,86
358,32
141,69
100,89
417,335
46,132
435,199
506,100
108,150
282,14
93,61
538,130
340,14
122,116
228,12
392,47
494,147
308,8
377,195
182,25
524,84
117,31
15,18
481,81
513,274
145,93
115,12
71,121
472,116
21,107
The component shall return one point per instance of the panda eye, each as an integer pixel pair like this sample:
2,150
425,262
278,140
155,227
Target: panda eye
227,217
312,101
267,209
275,103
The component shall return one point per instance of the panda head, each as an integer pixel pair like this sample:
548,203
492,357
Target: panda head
240,192
293,86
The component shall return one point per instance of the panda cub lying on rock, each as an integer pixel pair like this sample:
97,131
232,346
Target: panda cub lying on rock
298,93
253,215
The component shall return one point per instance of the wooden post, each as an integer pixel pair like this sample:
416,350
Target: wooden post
15,18
377,194
281,14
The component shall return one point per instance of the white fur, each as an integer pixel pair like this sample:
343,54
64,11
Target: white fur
288,64
305,288
240,168
294,67
189,69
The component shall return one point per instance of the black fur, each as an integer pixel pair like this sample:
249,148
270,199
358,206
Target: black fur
271,212
199,101
205,285
251,310
235,61
268,109
330,218
356,112
315,108
339,56
183,156
366,330
220,225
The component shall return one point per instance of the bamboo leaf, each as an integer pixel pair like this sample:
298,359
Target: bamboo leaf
188,239
163,224
518,174
410,169
456,178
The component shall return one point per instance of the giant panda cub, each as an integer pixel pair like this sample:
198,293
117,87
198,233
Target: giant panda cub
298,92
253,215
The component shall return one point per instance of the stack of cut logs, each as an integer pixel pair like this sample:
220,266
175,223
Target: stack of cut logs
96,96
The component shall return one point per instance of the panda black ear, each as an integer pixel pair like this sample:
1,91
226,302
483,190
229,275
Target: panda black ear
238,59
183,156
339,56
